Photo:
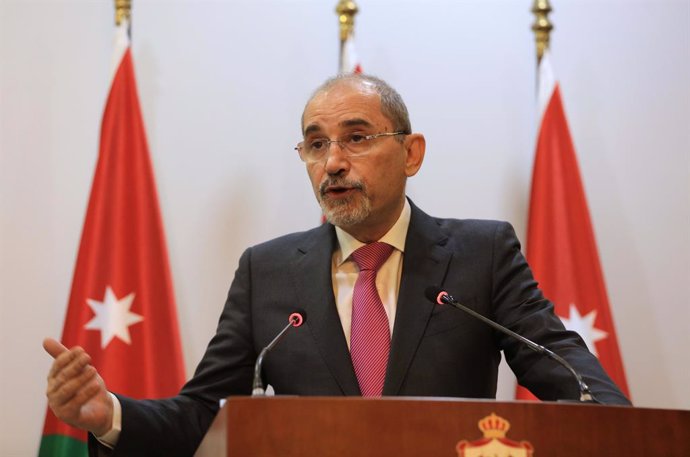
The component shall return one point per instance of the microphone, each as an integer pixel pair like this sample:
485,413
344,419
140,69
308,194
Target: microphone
441,297
295,320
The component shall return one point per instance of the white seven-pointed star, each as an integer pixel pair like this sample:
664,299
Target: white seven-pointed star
113,317
584,325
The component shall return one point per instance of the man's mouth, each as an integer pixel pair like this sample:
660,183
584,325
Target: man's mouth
339,190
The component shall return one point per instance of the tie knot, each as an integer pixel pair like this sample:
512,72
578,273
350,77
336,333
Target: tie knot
371,256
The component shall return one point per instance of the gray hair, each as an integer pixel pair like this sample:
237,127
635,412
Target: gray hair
392,104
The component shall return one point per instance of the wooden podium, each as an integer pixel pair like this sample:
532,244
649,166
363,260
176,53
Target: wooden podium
350,426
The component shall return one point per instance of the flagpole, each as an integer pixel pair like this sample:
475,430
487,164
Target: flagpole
346,11
542,26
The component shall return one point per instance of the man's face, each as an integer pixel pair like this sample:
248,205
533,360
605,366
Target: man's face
363,195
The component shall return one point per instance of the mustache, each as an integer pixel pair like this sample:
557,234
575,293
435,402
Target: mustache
339,182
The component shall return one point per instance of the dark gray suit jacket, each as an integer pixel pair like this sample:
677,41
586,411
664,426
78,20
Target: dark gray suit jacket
435,350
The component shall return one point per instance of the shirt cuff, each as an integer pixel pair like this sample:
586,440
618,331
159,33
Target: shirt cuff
109,438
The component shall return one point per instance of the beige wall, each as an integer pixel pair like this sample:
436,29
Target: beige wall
222,85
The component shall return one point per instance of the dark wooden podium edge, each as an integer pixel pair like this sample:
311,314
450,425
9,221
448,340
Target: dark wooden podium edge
646,429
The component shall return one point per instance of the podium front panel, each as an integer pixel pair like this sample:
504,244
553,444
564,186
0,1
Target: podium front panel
346,426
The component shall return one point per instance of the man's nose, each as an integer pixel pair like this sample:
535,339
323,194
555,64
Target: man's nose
336,159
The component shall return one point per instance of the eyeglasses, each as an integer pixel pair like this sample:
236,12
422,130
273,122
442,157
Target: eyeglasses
355,144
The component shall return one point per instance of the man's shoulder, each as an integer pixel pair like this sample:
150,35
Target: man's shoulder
472,225
296,240
467,226
465,235
420,217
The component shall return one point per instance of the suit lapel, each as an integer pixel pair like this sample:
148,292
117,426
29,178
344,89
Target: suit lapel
425,263
314,285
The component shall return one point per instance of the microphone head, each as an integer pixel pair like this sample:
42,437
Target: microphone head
297,318
436,294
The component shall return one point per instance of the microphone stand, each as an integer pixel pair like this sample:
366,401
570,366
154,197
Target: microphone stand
585,393
258,390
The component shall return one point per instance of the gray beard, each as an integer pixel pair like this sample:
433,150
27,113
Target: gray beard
348,212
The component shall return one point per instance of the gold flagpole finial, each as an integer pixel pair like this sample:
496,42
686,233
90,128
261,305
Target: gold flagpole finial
123,11
542,26
346,10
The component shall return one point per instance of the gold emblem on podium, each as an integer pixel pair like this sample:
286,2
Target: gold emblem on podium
494,443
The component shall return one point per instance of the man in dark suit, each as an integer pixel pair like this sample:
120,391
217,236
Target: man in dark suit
360,279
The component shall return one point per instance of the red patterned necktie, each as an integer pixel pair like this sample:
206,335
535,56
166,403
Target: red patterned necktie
370,337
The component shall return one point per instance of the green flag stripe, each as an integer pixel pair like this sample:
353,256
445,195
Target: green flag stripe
62,446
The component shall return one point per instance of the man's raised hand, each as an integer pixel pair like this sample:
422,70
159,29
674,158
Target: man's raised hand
76,392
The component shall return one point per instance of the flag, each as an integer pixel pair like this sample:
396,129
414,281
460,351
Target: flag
349,61
561,248
121,308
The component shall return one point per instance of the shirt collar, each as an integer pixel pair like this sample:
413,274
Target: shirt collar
395,236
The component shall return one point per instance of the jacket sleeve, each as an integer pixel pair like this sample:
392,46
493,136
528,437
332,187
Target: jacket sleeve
175,426
519,304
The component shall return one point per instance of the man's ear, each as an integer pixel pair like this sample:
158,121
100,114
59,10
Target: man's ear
415,145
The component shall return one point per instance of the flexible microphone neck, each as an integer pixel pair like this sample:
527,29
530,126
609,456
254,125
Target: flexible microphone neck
295,320
440,297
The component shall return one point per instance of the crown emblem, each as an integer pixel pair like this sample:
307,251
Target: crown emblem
494,426
494,442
